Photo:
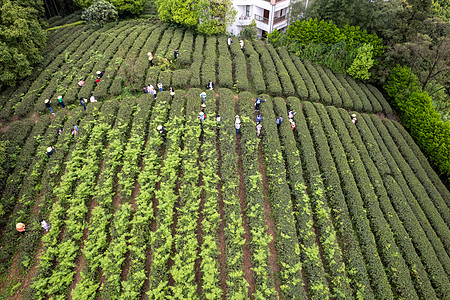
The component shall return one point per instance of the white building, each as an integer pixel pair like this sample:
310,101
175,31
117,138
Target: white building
268,14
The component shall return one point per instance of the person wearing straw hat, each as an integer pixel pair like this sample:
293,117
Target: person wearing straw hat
60,100
20,227
48,105
50,151
99,74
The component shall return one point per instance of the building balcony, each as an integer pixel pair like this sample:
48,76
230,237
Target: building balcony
279,19
261,19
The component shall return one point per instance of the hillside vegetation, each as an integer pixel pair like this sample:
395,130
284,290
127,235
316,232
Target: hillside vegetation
327,209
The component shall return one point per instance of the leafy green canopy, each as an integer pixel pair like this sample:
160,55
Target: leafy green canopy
122,6
22,40
206,16
101,12
348,49
419,116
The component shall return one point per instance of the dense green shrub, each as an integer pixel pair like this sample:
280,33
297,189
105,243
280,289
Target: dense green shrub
295,76
340,49
386,107
313,95
286,241
374,197
197,61
100,12
270,73
240,67
23,39
256,72
419,117
180,79
402,221
185,50
325,97
288,87
225,68
435,180
336,98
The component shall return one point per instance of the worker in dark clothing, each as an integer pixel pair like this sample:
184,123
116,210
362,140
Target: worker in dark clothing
258,102
175,53
162,131
50,151
279,121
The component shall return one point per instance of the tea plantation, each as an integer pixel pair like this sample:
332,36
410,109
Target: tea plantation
325,209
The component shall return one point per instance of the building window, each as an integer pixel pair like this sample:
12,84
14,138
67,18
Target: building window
247,10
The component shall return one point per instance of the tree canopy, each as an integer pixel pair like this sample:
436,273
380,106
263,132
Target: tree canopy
22,39
206,16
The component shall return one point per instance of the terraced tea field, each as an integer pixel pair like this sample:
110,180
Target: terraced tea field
327,210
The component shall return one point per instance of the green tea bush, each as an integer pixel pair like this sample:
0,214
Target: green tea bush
288,87
325,97
270,73
374,196
197,61
376,106
402,220
280,201
256,72
225,70
185,57
180,79
406,142
208,71
336,98
386,107
303,212
347,101
313,95
297,79
240,67
142,63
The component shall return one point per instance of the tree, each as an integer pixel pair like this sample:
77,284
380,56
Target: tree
373,15
249,32
206,16
22,39
427,54
101,12
122,6
128,6
215,16
362,63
